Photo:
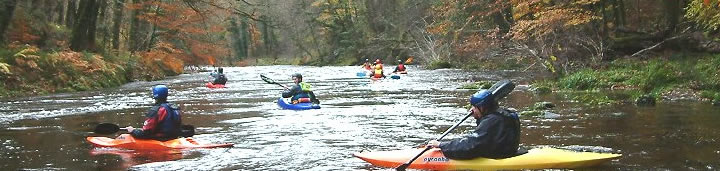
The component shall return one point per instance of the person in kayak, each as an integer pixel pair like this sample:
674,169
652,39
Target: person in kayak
367,64
496,136
219,77
162,121
378,72
400,67
300,92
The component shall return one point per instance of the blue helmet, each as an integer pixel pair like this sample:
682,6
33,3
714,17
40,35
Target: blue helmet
481,98
159,91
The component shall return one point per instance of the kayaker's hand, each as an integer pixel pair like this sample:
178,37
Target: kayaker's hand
130,128
433,143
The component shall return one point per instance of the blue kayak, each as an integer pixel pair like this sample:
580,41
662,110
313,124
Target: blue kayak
395,77
300,106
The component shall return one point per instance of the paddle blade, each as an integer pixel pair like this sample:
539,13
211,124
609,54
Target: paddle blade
106,128
402,167
266,79
501,89
187,130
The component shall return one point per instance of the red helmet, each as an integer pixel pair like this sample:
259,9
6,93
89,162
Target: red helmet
378,61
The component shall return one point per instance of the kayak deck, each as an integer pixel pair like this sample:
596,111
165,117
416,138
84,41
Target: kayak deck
300,106
211,85
128,142
538,158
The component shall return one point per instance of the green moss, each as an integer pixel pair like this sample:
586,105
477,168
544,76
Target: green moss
477,85
439,65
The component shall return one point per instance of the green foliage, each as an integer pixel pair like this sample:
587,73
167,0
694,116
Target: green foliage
586,79
655,75
707,16
477,85
439,64
709,73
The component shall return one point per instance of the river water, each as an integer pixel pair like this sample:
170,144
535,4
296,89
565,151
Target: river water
48,132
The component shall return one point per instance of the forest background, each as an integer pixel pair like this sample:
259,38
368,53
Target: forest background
654,48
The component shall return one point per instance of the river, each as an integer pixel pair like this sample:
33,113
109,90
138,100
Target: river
48,132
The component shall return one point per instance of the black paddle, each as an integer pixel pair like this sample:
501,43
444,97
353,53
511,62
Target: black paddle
271,81
109,128
406,164
499,90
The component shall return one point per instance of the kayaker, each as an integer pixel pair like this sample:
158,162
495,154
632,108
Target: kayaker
162,120
219,77
496,136
378,69
400,67
300,92
367,64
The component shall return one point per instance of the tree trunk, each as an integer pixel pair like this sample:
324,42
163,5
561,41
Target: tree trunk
138,29
84,30
59,13
102,14
71,14
672,16
117,21
6,16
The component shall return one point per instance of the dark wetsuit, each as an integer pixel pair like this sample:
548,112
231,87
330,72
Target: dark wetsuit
497,135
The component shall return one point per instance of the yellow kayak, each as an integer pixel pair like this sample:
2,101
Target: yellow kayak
538,158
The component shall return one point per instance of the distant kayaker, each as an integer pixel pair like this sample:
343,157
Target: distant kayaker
219,77
367,64
162,120
300,92
497,134
378,72
400,68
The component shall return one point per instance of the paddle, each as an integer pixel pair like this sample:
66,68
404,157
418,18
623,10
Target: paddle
406,164
109,128
271,81
499,90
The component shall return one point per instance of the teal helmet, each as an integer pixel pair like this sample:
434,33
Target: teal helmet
481,98
159,91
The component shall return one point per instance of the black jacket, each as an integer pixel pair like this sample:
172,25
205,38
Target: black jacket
497,135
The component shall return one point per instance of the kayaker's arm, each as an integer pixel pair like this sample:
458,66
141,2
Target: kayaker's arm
292,91
474,145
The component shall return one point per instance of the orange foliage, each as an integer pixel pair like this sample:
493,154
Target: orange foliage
187,29
21,32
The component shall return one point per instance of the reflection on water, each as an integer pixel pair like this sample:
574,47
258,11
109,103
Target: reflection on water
48,132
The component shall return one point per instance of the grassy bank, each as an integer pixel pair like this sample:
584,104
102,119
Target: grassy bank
27,70
687,76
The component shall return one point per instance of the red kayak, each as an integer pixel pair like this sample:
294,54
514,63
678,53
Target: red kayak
128,142
211,85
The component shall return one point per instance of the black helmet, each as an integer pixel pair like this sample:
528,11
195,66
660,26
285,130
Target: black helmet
297,75
220,70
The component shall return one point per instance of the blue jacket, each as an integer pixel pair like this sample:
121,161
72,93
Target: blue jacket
497,135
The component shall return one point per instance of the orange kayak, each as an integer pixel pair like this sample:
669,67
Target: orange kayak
211,85
128,142
538,158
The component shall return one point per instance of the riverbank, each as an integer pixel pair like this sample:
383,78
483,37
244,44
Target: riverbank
677,77
28,71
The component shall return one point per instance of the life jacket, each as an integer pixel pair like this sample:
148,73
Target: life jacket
367,66
304,96
401,67
169,125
